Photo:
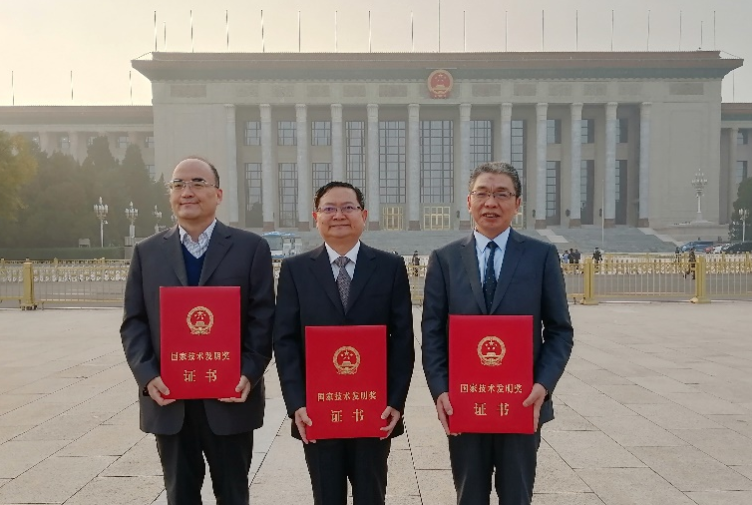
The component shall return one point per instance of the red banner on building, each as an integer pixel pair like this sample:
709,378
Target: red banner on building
345,381
490,373
200,341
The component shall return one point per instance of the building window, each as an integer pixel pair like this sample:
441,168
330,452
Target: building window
553,131
321,133
64,142
322,175
288,195
481,142
588,131
552,191
90,140
287,133
392,161
253,133
149,142
741,171
254,217
355,154
519,141
436,161
123,142
742,137
622,131
152,172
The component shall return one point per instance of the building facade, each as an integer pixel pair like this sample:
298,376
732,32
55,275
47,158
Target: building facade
599,138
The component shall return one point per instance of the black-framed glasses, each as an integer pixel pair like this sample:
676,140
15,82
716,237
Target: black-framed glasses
499,195
330,210
180,185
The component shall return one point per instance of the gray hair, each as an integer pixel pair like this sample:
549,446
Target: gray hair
500,168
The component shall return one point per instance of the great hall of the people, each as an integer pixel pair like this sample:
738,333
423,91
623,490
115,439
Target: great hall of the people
612,138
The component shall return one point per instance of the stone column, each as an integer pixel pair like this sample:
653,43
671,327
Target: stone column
541,144
734,132
413,167
231,152
305,195
75,146
462,174
373,198
269,180
644,212
338,157
506,133
46,144
609,215
575,139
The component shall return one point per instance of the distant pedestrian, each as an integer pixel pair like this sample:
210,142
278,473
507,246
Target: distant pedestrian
416,263
691,264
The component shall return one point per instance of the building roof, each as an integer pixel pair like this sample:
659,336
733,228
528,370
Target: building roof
491,65
736,112
77,114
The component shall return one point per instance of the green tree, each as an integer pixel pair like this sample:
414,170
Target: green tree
17,167
743,201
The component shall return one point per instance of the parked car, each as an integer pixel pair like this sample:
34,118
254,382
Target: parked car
718,249
697,245
739,248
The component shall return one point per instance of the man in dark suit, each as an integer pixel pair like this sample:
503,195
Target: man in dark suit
344,282
200,251
496,271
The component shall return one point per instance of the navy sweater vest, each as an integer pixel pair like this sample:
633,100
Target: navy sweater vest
193,266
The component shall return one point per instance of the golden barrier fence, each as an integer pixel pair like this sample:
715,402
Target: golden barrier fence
628,277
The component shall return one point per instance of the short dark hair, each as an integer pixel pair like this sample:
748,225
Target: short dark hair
211,166
497,167
338,184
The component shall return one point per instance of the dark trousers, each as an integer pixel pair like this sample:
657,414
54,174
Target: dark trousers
229,458
362,460
474,456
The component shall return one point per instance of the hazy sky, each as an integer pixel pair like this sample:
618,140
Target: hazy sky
43,40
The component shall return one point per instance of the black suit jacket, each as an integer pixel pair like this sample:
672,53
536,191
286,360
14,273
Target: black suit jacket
530,283
307,295
234,258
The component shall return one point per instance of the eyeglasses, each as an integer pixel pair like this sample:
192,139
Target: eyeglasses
180,185
502,196
330,210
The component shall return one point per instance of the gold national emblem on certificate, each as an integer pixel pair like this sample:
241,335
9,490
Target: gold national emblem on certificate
346,360
200,320
491,351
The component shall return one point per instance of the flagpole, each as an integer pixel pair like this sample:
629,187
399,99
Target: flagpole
577,30
412,31
299,43
335,31
130,83
155,31
164,42
263,45
71,86
543,30
369,31
612,30
227,27
439,25
193,49
464,30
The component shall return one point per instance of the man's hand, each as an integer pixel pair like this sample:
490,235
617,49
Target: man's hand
301,421
536,398
156,389
444,409
395,415
243,387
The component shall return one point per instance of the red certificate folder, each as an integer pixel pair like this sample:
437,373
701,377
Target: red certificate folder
490,373
345,381
200,342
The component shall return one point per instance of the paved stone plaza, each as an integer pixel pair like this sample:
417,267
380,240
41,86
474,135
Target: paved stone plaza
655,409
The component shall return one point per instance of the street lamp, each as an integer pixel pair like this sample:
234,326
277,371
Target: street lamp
158,215
100,209
131,213
699,181
743,215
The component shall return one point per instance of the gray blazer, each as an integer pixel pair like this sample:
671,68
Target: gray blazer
530,283
234,258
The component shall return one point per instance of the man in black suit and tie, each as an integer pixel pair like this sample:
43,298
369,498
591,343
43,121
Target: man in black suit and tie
496,271
344,282
200,251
